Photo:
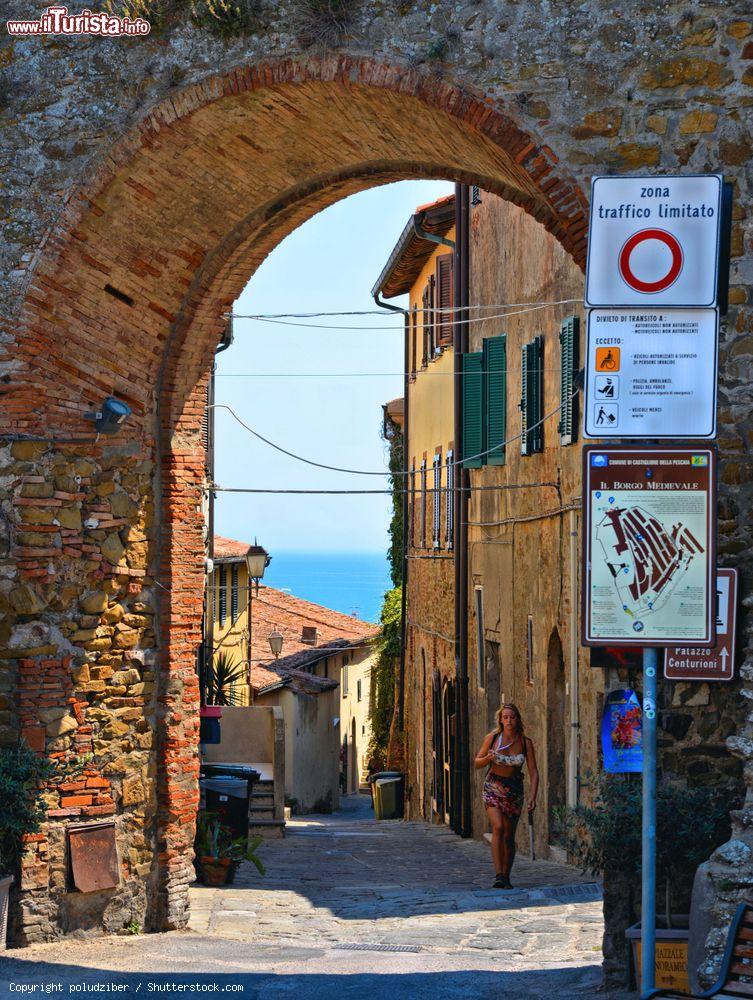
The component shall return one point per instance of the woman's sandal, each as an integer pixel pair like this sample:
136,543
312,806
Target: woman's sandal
502,882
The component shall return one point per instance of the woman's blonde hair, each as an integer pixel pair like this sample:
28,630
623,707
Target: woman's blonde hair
520,728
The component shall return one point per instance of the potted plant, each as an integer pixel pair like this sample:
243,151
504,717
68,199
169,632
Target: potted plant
218,853
605,837
22,776
223,674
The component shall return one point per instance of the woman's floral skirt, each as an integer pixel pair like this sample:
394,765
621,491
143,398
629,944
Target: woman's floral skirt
504,793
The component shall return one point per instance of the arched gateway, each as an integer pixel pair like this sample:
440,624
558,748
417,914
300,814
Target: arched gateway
119,284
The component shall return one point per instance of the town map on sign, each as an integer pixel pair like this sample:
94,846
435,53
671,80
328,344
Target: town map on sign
646,560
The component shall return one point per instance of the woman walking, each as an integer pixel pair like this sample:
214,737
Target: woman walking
504,752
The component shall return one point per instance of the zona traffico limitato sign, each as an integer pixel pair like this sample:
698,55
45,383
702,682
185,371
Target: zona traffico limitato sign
649,546
654,241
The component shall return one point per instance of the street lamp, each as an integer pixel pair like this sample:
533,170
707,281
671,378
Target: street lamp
276,639
257,560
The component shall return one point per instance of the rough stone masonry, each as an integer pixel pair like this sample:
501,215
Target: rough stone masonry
144,179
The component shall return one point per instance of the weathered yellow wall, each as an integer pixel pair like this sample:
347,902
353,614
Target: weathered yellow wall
523,565
430,631
232,637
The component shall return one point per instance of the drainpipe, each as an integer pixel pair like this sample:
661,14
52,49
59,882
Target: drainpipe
227,340
462,484
404,592
573,764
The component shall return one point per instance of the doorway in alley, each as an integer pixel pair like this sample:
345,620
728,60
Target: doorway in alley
556,736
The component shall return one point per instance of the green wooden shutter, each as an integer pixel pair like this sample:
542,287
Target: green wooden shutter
569,364
495,370
532,396
473,404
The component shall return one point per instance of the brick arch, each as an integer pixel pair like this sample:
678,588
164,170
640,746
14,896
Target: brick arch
128,297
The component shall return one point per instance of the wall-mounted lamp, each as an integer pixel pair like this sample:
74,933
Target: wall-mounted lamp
111,417
276,640
257,560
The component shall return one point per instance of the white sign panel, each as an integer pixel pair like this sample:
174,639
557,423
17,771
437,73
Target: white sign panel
687,663
651,373
654,241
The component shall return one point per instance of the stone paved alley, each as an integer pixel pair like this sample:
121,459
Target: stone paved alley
384,909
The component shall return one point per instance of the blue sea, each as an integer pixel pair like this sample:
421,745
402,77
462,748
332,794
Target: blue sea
350,582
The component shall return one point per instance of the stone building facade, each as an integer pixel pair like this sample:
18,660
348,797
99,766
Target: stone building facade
144,181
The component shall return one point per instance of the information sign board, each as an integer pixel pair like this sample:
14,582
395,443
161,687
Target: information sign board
687,663
649,546
651,373
621,730
654,241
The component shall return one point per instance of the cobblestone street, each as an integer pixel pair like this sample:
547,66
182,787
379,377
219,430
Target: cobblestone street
388,908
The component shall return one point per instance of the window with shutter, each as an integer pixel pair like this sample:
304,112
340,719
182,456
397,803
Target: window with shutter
425,328
412,504
495,374
445,298
414,342
432,301
450,500
222,595
234,593
569,364
473,404
532,395
422,536
436,504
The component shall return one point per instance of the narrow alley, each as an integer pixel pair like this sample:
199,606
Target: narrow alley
388,908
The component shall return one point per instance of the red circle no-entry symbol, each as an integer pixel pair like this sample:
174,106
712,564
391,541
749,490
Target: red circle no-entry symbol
662,283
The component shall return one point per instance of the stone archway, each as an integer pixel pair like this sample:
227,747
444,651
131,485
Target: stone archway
128,250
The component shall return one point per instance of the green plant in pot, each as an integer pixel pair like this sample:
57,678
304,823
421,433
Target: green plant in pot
22,777
218,852
605,837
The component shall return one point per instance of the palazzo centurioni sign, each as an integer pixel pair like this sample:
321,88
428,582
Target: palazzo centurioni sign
654,241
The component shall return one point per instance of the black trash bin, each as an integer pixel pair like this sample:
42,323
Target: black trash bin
228,797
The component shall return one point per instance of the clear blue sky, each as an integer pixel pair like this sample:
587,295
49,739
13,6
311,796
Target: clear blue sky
330,263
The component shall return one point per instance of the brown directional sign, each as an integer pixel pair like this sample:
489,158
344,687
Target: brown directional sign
649,546
692,663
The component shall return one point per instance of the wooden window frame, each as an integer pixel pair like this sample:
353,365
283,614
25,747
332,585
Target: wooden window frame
449,533
221,595
532,397
478,604
445,295
436,501
569,365
234,593
422,543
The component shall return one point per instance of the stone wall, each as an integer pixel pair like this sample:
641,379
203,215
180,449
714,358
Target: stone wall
145,180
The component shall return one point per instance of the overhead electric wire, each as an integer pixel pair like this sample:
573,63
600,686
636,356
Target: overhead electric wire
419,371
380,312
386,472
530,307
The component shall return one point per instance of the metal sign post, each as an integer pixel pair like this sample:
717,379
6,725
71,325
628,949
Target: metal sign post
648,860
655,276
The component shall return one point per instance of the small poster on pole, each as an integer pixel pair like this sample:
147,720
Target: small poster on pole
621,733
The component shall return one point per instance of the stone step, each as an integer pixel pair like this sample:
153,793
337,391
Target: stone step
269,829
263,800
262,812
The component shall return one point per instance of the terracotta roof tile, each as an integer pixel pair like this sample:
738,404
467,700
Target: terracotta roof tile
276,610
228,548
